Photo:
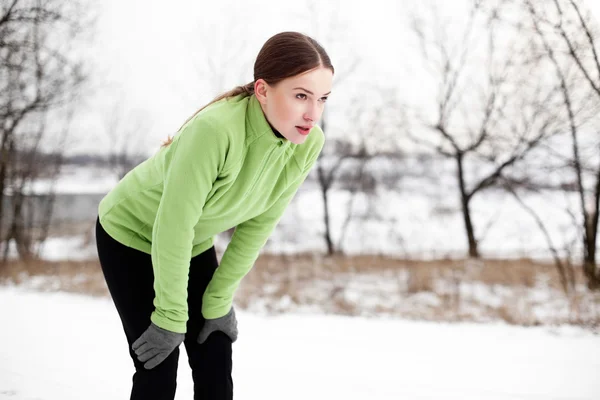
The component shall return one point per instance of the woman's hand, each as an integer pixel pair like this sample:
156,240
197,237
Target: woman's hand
226,324
155,344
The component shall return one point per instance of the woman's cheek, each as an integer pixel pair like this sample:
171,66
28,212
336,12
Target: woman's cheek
297,110
288,110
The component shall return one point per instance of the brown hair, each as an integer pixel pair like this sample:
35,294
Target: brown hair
284,55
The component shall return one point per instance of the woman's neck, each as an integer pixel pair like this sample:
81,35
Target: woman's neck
275,131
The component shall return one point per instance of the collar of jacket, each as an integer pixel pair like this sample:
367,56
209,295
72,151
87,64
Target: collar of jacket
257,126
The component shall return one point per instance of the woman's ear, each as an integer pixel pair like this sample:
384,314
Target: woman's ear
260,90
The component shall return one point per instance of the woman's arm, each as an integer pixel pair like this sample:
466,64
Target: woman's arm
248,239
192,167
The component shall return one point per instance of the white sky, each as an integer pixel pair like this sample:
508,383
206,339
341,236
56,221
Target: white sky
149,59
594,7
144,52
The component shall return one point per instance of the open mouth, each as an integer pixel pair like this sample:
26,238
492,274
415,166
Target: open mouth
303,130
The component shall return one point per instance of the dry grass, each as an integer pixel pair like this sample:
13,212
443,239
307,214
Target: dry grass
69,276
431,290
520,272
292,277
374,263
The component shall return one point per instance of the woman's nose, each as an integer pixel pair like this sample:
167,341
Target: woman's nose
312,114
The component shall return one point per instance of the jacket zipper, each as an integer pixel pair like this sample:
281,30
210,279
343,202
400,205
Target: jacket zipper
261,170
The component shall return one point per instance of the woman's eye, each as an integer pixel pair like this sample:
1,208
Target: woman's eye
323,99
301,96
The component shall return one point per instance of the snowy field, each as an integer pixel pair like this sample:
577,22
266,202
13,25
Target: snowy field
58,346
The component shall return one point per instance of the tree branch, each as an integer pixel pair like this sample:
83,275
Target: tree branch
572,51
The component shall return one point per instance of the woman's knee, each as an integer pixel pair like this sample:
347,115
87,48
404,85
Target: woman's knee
162,378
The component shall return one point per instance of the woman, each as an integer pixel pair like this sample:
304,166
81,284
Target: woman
237,162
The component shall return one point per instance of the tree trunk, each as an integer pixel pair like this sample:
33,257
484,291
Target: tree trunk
4,163
6,152
2,190
324,189
473,248
16,231
589,245
327,233
590,266
466,212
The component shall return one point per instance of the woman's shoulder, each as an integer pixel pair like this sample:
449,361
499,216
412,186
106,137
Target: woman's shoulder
226,116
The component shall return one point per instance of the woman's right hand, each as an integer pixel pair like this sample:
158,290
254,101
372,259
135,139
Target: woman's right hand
155,344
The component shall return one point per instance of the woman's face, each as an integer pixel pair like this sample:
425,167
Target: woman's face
294,105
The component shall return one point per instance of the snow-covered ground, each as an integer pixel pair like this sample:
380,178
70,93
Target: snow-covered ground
58,346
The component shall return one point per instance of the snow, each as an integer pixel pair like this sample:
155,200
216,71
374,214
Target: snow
63,346
75,179
72,248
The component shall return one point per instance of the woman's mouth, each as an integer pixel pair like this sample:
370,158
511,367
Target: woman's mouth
303,130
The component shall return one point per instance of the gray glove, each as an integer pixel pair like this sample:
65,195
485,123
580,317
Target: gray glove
155,344
226,324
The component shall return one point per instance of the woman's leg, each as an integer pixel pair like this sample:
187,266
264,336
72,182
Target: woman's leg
211,362
130,280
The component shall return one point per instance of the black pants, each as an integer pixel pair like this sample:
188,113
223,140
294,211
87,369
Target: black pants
130,280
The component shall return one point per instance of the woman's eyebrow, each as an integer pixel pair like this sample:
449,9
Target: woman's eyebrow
308,91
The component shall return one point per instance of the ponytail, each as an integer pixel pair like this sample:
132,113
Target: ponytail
246,90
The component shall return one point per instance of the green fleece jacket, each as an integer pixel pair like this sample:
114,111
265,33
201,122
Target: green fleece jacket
225,168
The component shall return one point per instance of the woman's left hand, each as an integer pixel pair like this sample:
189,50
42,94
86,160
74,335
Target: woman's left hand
226,324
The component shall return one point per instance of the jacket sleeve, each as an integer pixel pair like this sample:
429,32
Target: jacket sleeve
191,167
248,239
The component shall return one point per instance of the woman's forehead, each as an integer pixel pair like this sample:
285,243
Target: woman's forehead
318,81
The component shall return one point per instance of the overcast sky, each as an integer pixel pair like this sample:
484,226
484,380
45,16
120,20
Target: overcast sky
149,59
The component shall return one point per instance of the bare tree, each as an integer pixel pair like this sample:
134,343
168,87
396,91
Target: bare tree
371,166
569,39
39,78
345,164
487,110
328,29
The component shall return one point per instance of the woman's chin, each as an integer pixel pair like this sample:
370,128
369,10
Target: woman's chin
297,139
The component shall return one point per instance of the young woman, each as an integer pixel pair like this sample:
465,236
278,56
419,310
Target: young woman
237,162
